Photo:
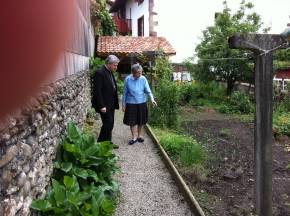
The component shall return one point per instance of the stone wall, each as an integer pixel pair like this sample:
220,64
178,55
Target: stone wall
29,136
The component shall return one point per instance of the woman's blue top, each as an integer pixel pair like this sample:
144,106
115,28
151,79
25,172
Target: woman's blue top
135,89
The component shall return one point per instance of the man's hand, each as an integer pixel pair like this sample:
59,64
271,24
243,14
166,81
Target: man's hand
103,110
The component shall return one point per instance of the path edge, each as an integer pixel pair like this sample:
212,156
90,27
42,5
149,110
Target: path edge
191,201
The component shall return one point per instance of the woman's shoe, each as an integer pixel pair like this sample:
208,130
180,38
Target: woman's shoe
132,142
140,139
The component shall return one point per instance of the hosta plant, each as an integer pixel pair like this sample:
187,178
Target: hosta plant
82,182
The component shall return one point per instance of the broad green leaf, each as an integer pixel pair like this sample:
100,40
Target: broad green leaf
80,172
68,181
96,207
108,206
75,187
41,205
58,193
91,151
90,189
74,209
66,166
78,152
105,148
102,180
69,157
82,197
60,211
92,174
72,198
83,183
99,195
58,157
56,165
74,133
69,147
83,161
112,159
50,197
87,206
94,161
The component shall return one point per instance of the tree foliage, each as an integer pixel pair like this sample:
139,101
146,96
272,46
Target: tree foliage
101,19
216,61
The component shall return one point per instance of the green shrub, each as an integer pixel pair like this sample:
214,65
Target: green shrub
189,93
166,113
95,64
238,102
81,181
120,83
281,124
283,105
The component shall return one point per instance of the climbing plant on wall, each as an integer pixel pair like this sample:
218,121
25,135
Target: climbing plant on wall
101,19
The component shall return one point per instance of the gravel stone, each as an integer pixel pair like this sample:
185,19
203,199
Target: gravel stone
145,183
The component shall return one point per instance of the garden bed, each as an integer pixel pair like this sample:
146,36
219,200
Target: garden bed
228,189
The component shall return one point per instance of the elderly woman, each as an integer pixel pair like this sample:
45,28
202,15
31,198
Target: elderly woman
134,102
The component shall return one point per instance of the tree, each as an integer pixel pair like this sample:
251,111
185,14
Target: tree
216,61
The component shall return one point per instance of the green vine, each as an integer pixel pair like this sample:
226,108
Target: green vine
101,19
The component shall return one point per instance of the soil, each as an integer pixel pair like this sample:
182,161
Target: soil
228,186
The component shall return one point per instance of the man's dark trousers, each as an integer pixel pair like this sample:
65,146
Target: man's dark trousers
108,125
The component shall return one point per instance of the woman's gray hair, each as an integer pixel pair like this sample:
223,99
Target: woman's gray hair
112,59
135,68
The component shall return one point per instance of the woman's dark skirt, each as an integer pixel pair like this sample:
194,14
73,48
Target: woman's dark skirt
136,114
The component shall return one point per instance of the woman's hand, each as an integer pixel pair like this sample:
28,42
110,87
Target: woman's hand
154,104
123,108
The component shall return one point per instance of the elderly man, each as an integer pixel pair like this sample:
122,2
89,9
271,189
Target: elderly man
105,97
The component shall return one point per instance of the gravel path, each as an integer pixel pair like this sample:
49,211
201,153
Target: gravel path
145,183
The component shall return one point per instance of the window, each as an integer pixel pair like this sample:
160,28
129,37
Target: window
141,26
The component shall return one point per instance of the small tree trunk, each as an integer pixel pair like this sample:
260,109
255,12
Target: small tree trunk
230,87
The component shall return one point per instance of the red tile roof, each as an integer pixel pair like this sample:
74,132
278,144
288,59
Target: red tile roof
121,45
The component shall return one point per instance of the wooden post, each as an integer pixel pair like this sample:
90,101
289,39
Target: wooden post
131,55
263,46
152,55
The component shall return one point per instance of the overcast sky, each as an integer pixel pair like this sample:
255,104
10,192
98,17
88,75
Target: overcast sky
182,21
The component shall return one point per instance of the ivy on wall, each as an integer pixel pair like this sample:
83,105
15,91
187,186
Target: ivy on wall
101,19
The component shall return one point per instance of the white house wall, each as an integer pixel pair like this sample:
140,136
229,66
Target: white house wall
138,11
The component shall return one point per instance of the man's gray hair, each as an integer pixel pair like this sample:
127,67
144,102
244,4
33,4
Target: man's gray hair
112,59
135,68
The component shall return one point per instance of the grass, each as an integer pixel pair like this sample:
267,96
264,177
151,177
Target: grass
225,132
183,150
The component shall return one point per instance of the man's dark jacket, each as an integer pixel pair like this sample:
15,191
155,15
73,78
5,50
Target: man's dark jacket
104,94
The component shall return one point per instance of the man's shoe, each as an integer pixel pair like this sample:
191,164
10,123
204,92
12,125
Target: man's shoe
115,146
132,142
140,139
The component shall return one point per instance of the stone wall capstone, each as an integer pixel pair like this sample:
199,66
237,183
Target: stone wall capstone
29,137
